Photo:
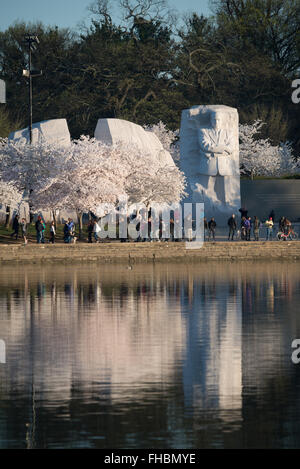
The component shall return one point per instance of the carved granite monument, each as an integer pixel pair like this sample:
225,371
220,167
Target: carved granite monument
209,153
50,131
113,131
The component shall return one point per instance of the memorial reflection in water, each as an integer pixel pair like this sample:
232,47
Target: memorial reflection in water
170,356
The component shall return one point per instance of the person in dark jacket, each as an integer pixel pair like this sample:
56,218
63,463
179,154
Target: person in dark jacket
90,231
205,228
40,229
212,229
15,226
67,236
232,227
282,224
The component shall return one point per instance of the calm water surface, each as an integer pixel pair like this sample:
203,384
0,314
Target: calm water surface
154,357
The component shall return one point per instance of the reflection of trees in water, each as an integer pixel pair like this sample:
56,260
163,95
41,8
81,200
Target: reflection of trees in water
152,354
76,345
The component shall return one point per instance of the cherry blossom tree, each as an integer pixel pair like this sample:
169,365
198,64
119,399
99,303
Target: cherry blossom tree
86,174
9,194
90,173
29,167
168,138
94,173
151,182
9,197
258,157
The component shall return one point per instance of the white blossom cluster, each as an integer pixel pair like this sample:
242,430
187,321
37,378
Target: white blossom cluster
168,138
258,157
84,175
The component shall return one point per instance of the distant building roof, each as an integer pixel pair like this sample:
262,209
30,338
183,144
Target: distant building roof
2,92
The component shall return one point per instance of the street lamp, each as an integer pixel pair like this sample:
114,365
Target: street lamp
2,92
32,41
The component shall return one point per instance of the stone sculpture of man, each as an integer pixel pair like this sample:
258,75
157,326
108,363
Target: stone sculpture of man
216,148
210,158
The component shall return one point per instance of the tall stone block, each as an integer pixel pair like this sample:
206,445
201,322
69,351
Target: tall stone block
209,154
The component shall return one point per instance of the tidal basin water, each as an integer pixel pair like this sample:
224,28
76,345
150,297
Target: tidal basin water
173,356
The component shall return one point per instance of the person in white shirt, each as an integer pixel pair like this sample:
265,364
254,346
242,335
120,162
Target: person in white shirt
96,231
52,233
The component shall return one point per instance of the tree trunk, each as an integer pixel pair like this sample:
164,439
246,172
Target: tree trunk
8,217
79,215
54,217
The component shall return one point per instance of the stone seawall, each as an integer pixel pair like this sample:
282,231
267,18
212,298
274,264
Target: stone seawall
130,253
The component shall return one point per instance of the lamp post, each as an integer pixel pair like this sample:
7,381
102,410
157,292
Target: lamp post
2,92
32,41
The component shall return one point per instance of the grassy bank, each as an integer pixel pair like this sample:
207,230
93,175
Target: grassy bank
6,238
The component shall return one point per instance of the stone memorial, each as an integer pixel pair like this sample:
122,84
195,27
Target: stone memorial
50,131
209,155
113,131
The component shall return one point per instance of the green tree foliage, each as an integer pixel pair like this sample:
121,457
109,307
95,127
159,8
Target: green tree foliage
147,69
6,124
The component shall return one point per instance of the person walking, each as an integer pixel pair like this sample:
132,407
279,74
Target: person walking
172,229
24,230
287,226
249,229
96,231
144,225
256,226
269,224
232,227
281,224
43,231
67,237
247,225
205,228
90,231
40,229
212,225
52,233
71,226
15,227
243,229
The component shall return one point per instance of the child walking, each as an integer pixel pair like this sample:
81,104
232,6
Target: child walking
52,233
24,230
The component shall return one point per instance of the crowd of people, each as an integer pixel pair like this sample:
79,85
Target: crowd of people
145,230
248,226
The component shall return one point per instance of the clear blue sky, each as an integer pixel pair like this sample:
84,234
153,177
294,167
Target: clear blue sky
69,13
